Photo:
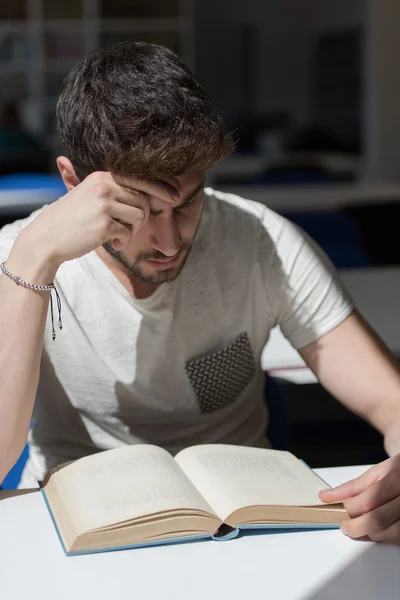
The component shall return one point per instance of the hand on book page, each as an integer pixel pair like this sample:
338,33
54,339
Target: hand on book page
373,500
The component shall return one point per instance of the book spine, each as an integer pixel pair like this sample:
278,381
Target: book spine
225,532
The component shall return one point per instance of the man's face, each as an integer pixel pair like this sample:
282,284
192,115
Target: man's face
158,252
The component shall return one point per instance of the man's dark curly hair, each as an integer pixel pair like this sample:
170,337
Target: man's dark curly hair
136,109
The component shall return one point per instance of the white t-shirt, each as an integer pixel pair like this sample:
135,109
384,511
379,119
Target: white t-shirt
183,366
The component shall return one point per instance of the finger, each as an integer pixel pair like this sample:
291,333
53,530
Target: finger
377,494
108,191
391,535
135,215
130,197
159,189
350,488
373,522
120,235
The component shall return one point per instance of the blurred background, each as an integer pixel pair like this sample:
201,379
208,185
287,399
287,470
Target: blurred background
311,87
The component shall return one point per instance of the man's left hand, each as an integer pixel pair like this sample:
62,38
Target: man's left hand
373,503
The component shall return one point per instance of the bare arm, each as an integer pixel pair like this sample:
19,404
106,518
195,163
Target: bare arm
354,365
22,322
95,211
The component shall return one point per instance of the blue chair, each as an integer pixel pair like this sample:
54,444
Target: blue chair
32,181
13,478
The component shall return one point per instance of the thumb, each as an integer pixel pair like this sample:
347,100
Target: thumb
350,488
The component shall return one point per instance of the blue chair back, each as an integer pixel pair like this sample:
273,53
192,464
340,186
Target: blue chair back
32,181
13,478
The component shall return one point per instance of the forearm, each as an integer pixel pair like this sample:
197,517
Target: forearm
355,366
22,323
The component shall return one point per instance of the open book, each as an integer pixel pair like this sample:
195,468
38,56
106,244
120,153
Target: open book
141,495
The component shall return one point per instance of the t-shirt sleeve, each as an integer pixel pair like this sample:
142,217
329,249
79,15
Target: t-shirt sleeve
304,290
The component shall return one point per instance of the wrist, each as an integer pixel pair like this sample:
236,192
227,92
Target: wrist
32,262
392,437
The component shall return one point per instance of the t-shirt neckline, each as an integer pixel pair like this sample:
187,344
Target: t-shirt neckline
155,296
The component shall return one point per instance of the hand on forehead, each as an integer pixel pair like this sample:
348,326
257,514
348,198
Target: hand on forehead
153,189
173,190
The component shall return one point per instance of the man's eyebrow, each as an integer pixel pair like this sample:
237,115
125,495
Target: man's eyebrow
186,201
191,195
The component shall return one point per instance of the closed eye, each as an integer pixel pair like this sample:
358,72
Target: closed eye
186,206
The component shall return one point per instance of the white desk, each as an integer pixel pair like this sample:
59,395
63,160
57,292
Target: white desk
376,293
318,565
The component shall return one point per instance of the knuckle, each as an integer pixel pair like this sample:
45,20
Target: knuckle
349,528
140,216
95,176
104,223
376,522
349,505
102,206
367,505
102,190
394,476
140,220
100,174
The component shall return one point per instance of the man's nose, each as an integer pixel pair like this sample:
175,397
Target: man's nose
166,237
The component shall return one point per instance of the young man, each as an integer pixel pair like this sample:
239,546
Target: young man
169,292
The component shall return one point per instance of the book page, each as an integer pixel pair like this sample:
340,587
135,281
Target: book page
232,477
123,484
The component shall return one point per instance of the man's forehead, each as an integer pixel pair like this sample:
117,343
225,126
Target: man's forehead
187,191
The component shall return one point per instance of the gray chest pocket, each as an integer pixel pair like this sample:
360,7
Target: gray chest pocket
219,378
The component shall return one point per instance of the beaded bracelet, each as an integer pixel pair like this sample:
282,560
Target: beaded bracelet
38,288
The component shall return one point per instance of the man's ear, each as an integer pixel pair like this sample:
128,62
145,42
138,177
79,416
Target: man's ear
67,172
